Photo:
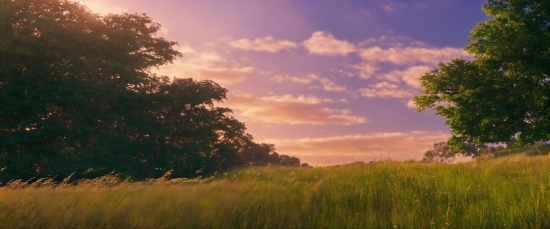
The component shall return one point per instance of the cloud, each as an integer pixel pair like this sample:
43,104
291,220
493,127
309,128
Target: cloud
417,57
393,42
386,90
365,70
206,65
266,44
410,104
440,4
324,43
366,147
411,75
101,8
289,109
411,55
390,7
326,83
287,78
304,99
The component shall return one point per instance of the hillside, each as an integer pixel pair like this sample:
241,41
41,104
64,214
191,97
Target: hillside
530,150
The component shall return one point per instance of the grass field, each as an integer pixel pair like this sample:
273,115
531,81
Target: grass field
506,192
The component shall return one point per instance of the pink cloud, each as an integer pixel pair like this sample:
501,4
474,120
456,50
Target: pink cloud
324,43
287,78
410,104
266,44
386,90
98,6
289,109
417,56
411,75
206,65
326,84
389,7
365,147
365,70
411,55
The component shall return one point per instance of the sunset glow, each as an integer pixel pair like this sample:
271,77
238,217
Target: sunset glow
329,82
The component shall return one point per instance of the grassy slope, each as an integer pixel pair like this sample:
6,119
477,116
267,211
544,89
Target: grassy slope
530,150
507,192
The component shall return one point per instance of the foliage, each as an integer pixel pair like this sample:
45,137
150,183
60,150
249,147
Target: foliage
77,95
442,153
504,91
510,192
439,153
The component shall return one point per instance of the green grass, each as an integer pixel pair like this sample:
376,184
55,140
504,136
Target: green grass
530,150
507,192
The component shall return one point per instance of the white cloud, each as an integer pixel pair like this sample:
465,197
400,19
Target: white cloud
289,109
324,43
266,44
386,90
374,146
206,65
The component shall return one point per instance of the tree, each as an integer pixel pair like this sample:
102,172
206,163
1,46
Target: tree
505,90
77,95
439,153
68,80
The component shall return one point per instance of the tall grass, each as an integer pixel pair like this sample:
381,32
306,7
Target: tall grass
511,192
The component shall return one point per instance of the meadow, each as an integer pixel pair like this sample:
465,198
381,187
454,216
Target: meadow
505,192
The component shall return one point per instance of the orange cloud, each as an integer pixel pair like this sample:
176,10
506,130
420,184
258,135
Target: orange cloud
266,44
206,65
324,43
363,147
289,109
386,90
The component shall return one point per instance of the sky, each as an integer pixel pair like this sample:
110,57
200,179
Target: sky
329,82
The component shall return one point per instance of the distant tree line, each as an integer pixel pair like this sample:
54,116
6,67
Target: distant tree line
442,153
77,95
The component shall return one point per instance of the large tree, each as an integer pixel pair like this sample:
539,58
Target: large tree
505,90
77,95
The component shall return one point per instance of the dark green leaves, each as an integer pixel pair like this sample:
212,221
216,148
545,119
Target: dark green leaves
505,89
77,95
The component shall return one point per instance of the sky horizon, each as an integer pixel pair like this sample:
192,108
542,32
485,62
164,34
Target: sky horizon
328,82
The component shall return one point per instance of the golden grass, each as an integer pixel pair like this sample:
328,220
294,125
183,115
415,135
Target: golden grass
510,192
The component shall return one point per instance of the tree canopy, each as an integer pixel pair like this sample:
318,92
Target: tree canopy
504,90
77,95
